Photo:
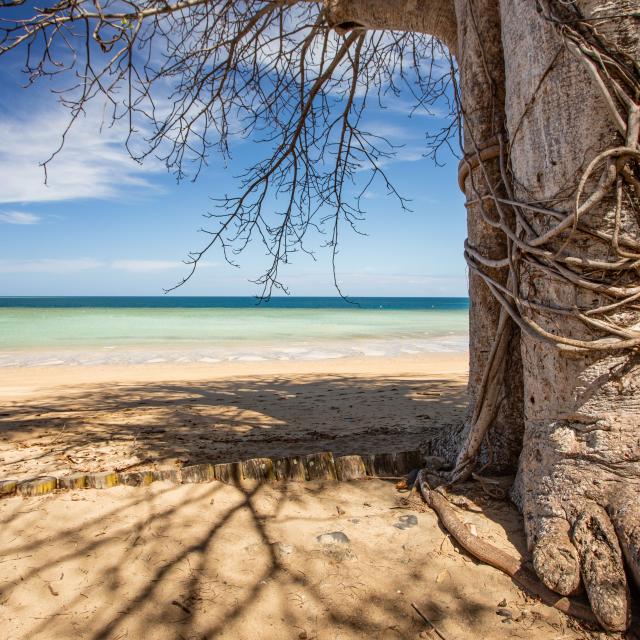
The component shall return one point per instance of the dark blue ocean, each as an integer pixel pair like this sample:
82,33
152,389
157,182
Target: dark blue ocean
203,302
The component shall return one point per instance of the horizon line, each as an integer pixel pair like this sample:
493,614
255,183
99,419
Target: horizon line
345,298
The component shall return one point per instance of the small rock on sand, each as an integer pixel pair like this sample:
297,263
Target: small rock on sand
405,522
335,537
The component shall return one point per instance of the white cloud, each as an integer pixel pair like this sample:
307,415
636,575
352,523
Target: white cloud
18,217
55,265
412,110
146,266
49,265
92,164
400,154
392,131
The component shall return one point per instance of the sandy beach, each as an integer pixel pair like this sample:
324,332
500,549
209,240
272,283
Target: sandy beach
305,561
312,561
68,419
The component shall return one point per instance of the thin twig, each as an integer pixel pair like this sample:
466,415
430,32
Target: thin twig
433,626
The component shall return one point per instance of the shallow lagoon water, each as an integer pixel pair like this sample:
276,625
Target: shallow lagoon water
53,331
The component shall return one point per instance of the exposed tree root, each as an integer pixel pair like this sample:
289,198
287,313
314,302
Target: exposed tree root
487,553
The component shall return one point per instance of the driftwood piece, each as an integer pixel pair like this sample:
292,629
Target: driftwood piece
37,486
406,461
384,465
350,468
8,487
74,481
487,553
394,464
136,478
198,473
320,466
229,472
291,468
260,469
171,475
368,460
103,480
316,466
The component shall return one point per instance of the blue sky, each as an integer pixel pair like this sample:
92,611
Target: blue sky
106,226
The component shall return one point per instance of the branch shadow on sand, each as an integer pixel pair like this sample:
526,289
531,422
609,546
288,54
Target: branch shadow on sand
217,561
137,426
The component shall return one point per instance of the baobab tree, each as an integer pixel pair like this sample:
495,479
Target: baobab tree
547,93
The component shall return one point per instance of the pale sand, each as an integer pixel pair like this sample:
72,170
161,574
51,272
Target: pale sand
169,562
71,419
215,561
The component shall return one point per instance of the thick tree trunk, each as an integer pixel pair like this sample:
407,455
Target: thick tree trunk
481,64
580,465
494,425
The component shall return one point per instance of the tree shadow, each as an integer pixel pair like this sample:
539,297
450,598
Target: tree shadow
207,561
216,561
138,426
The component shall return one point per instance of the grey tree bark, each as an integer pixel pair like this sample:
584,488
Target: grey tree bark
495,417
580,464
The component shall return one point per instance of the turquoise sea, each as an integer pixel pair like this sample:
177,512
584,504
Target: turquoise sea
85,330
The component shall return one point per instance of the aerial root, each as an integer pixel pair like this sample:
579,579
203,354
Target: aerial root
491,555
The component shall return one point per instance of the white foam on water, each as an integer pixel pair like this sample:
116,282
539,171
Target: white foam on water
237,353
49,363
323,355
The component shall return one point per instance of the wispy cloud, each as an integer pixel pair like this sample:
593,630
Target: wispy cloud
55,265
400,154
412,110
394,132
146,266
92,164
18,217
49,265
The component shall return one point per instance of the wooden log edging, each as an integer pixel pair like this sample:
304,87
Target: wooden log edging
314,466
